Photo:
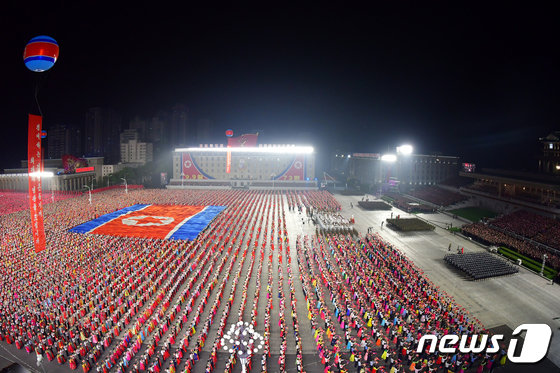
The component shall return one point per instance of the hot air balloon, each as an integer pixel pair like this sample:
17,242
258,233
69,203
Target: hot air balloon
40,53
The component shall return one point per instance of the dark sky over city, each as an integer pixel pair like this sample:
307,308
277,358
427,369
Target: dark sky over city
470,80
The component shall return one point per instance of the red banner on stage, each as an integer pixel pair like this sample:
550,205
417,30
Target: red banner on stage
248,140
35,167
296,171
189,171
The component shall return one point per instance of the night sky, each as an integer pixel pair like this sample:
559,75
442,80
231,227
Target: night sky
469,80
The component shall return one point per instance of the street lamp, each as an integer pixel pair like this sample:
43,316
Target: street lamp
89,190
244,340
125,184
543,261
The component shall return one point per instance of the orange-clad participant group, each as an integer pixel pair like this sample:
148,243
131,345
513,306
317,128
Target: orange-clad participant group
99,302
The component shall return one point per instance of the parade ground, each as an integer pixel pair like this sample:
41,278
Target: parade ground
263,282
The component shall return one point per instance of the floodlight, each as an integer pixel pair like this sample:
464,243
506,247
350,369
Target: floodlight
388,157
404,149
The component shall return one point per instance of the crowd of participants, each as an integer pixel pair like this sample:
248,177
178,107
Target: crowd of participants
12,201
331,222
439,196
102,303
99,301
369,306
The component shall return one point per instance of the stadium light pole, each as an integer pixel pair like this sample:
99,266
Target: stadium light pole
388,159
125,185
89,191
404,151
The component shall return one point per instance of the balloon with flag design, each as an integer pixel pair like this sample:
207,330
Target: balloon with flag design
40,53
229,133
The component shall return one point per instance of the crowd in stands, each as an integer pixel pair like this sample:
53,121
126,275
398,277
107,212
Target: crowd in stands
484,187
438,196
527,224
457,181
524,223
534,198
104,303
492,236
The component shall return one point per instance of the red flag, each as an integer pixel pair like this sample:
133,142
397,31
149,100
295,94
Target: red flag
247,140
228,160
34,167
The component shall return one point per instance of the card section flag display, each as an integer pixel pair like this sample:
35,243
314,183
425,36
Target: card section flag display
173,222
35,167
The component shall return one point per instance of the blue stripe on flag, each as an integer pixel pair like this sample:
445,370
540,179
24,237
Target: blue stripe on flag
192,228
92,224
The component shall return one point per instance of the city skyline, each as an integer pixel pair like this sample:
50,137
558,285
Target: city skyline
460,80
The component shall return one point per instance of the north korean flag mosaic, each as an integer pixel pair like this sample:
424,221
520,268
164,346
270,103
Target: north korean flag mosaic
174,222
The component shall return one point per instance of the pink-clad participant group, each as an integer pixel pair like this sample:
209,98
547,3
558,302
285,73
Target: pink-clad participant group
105,303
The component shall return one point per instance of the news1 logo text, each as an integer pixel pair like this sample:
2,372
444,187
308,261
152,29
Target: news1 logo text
535,346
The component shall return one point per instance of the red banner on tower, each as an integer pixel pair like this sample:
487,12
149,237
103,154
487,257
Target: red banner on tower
189,169
248,140
228,161
35,167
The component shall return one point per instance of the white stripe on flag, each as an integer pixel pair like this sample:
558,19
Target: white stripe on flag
183,223
116,217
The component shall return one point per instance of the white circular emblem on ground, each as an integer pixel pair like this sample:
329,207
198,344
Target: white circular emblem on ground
297,165
137,220
188,164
